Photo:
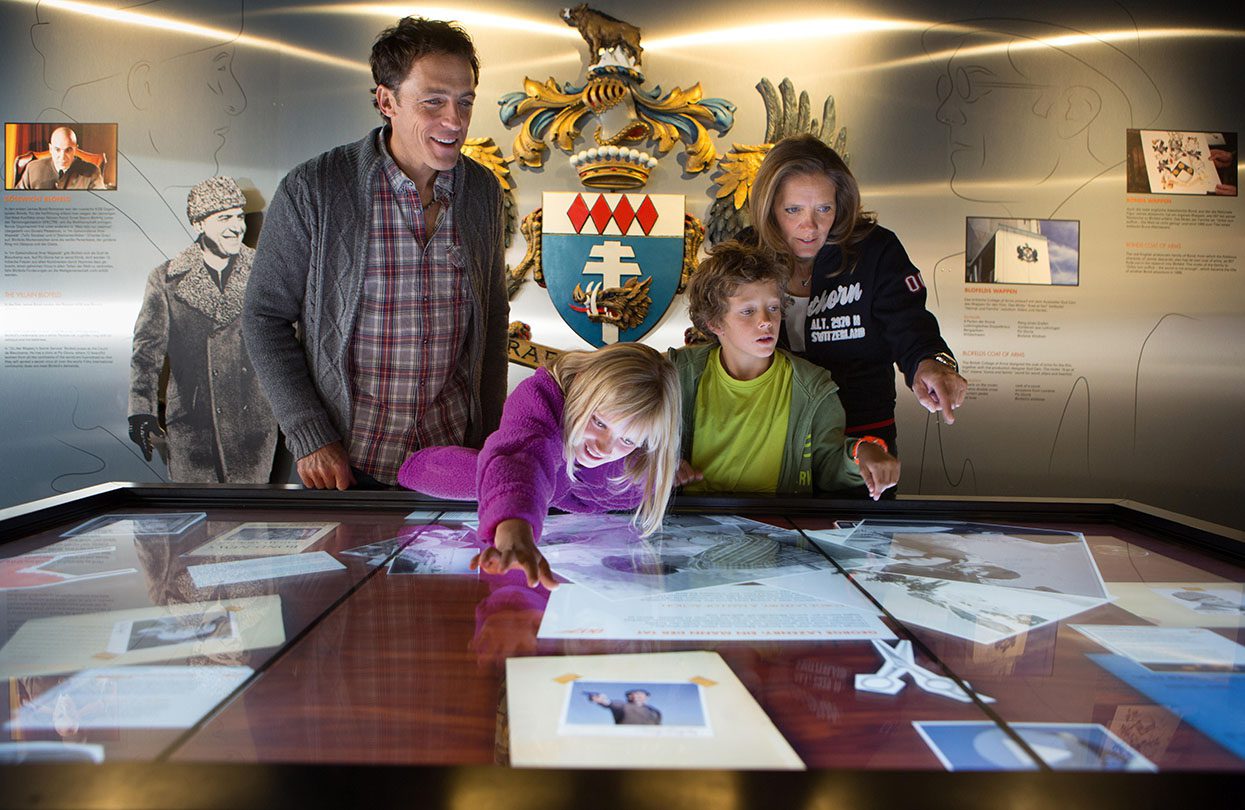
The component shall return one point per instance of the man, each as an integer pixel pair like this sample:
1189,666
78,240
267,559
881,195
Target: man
387,255
217,421
62,168
635,712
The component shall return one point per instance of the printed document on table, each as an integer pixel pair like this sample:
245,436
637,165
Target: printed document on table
1171,649
133,697
290,565
753,612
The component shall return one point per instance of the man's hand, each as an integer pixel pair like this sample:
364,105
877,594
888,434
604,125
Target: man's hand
514,547
686,474
939,388
879,468
326,468
143,427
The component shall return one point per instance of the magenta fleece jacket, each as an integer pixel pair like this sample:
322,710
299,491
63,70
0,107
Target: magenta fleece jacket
521,471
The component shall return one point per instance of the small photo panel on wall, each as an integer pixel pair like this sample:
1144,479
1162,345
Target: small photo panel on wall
60,156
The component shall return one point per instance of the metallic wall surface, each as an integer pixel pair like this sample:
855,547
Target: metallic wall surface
1129,384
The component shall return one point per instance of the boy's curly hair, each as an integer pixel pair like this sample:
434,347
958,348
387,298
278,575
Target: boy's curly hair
729,266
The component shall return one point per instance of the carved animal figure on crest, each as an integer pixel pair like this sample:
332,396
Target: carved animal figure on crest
603,32
625,307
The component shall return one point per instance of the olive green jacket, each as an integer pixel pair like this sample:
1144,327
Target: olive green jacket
816,457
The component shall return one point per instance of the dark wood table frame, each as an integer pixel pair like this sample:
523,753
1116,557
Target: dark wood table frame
173,784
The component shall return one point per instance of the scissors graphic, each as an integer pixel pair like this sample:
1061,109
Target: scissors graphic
899,661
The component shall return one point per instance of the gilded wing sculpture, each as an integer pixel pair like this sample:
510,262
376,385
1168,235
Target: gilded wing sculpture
487,153
784,116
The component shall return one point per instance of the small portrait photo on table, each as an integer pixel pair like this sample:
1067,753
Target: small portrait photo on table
1162,161
627,708
165,631
60,156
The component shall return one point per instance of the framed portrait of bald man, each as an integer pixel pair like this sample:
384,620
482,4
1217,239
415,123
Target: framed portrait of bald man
60,156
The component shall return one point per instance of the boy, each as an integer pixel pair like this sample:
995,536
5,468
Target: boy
755,417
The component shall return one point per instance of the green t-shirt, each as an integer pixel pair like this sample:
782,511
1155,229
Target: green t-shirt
741,428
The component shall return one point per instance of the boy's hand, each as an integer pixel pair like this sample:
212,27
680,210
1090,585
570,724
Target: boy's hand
514,547
686,474
879,468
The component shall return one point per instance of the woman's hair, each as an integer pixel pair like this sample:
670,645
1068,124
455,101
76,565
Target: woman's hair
637,386
799,156
729,266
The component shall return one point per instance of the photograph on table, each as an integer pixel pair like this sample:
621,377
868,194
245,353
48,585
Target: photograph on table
1183,604
1022,251
561,713
428,538
1046,560
983,746
170,630
1164,161
65,644
137,525
983,614
264,539
427,558
635,709
606,553
377,553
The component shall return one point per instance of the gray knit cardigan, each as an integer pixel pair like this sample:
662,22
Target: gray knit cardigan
308,273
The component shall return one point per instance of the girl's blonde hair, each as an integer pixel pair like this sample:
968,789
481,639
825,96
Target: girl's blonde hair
635,385
800,156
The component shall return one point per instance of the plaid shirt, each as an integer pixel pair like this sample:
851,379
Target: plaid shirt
409,386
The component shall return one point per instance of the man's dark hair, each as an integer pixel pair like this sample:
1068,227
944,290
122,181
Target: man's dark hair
399,47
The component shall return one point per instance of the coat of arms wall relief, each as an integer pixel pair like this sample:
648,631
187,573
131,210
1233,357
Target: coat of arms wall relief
612,256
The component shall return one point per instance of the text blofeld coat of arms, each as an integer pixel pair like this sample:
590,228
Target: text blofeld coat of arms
612,262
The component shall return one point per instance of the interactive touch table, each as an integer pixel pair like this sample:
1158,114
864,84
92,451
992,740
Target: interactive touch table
233,646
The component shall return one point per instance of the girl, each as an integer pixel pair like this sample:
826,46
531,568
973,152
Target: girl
594,432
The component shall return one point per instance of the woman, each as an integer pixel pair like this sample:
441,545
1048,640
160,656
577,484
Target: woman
858,303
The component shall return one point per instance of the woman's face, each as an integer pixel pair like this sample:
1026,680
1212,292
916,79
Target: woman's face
804,210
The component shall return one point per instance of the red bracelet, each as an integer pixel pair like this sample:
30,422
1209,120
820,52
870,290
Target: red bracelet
871,440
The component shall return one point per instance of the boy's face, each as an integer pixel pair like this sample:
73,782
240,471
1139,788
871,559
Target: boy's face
748,330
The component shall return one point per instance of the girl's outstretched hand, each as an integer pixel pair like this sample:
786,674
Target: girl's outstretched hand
515,547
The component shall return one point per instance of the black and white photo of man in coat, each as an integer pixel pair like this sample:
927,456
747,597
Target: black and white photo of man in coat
217,422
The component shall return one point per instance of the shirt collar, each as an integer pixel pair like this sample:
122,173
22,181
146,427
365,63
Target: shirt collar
442,187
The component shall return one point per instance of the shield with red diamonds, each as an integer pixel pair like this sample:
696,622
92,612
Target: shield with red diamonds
611,261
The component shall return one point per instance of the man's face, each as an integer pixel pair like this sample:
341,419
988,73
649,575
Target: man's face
1001,128
63,147
223,232
429,113
639,698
